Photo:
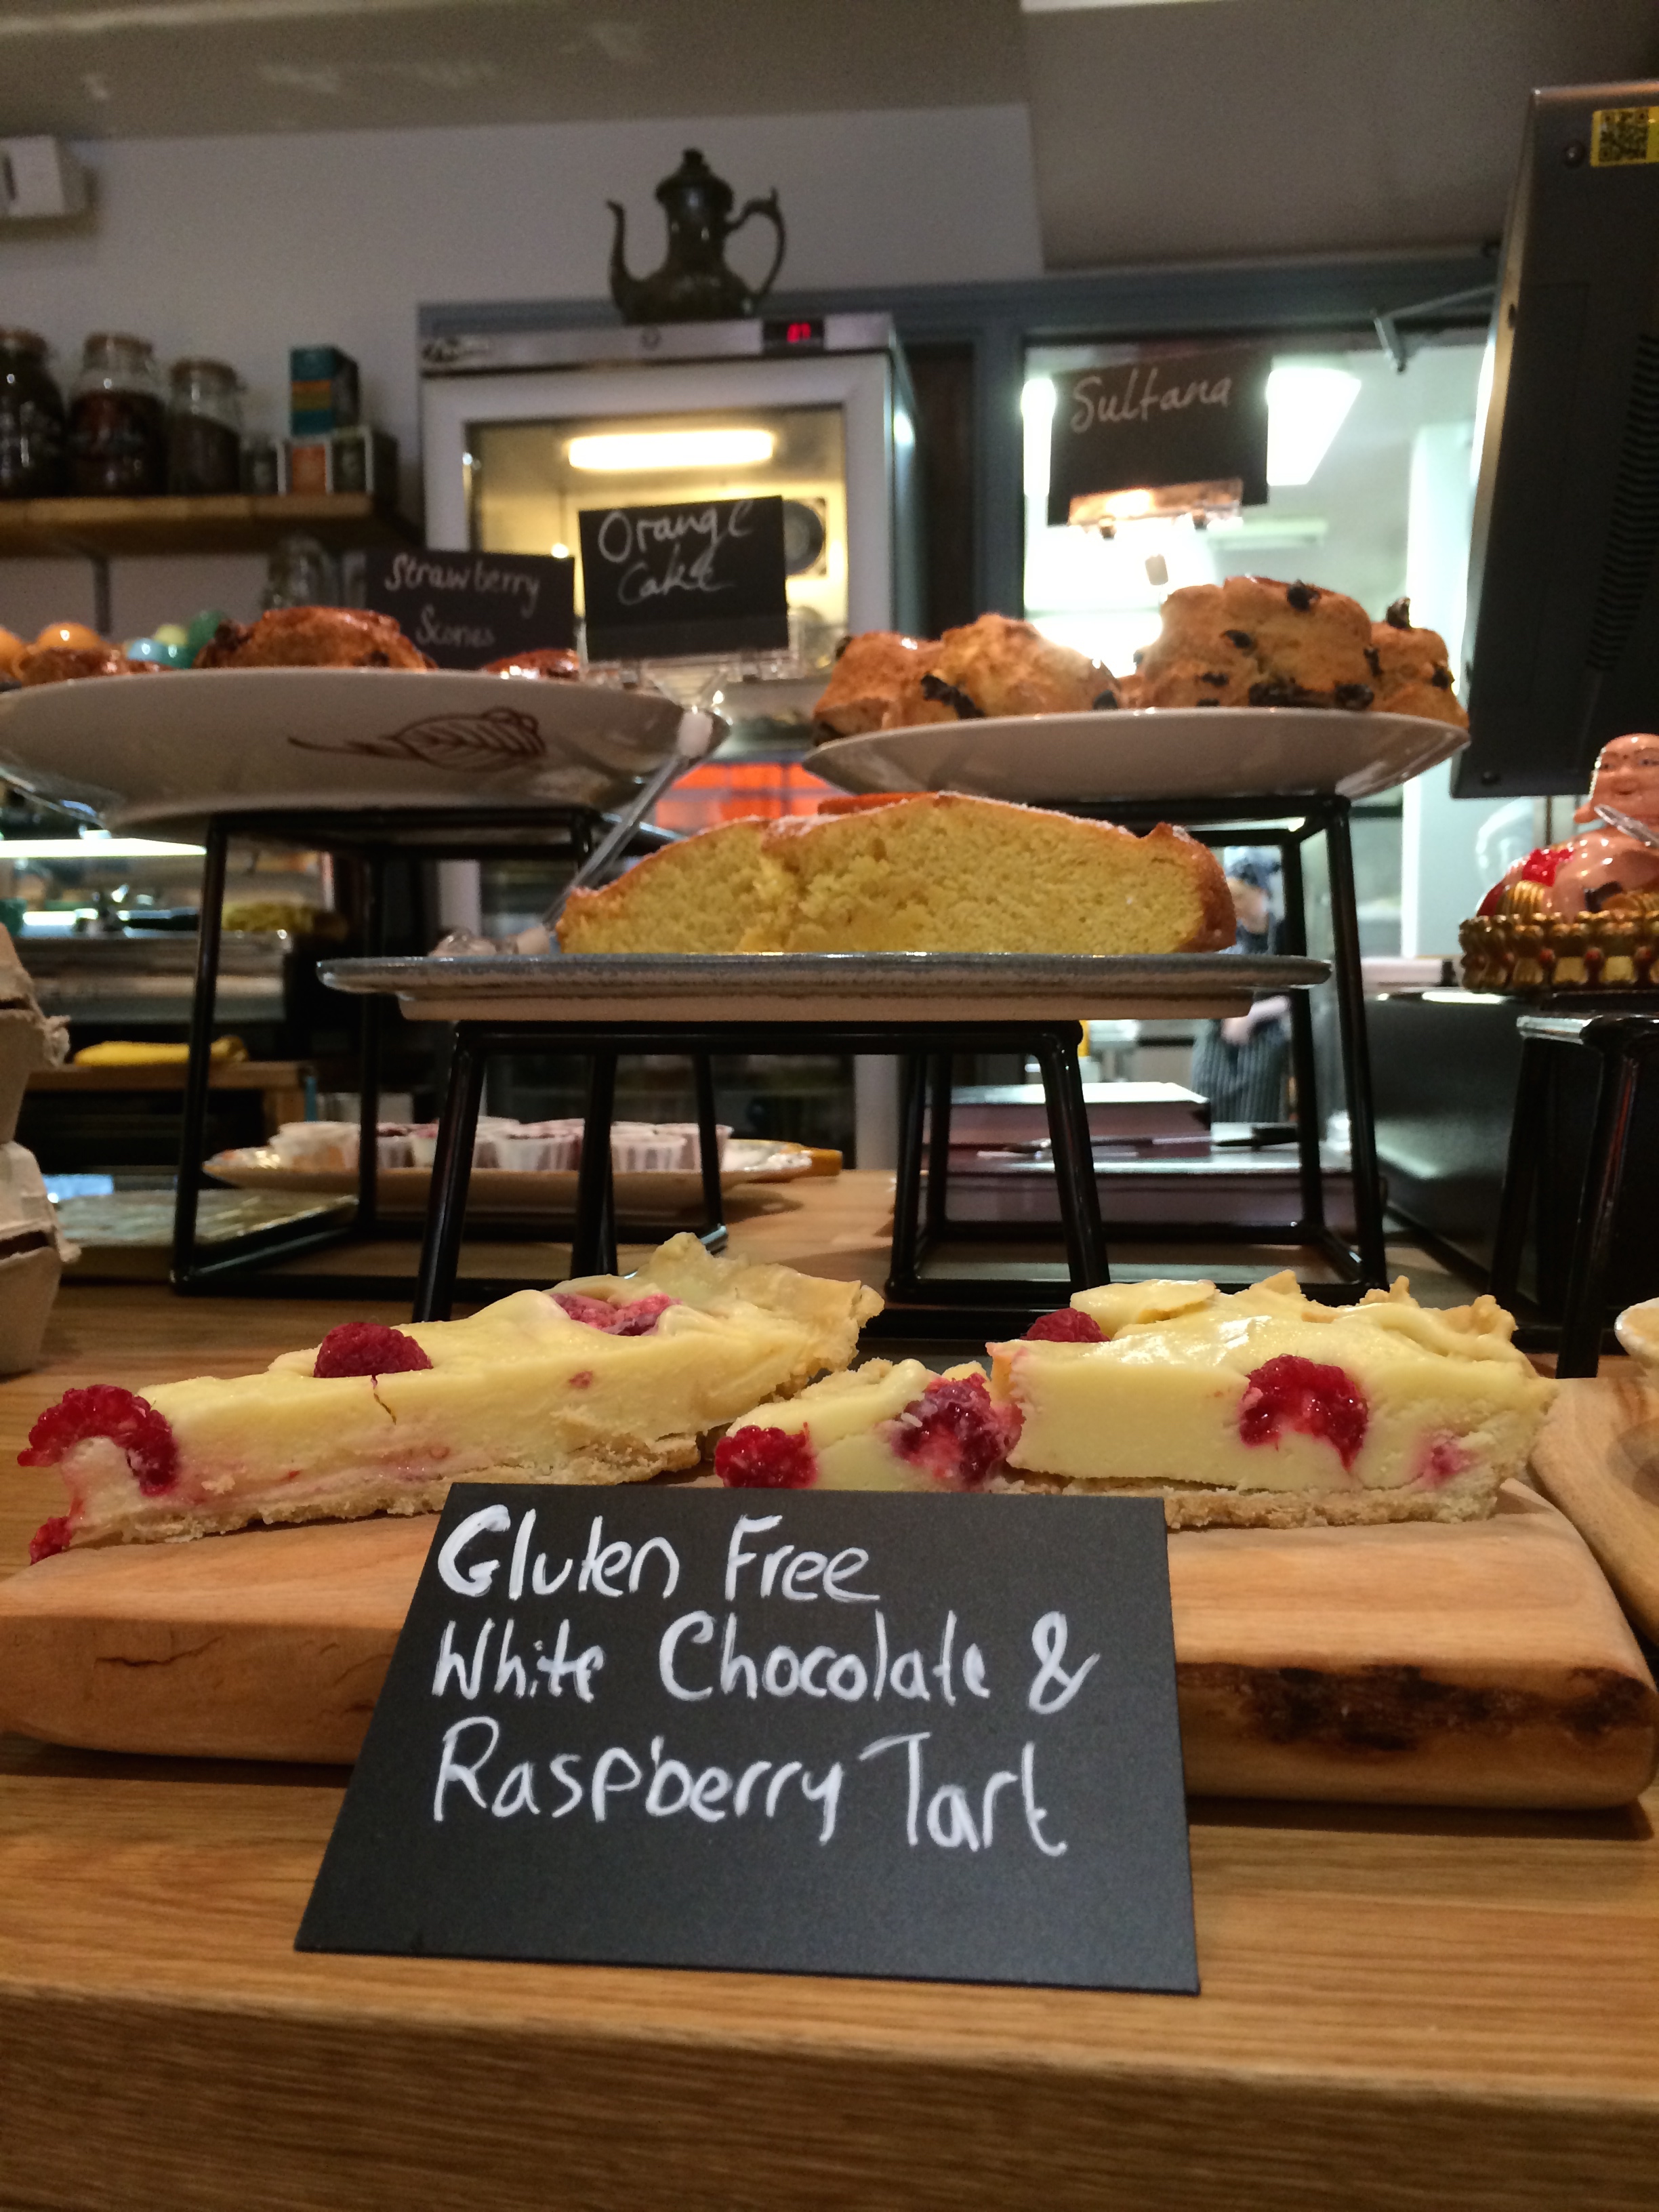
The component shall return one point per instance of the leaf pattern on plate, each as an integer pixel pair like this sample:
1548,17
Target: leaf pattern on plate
480,744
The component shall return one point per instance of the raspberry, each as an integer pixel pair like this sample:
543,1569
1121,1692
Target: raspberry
1068,1325
638,1317
51,1536
1440,1460
765,1459
955,1432
368,1347
106,1410
1301,1395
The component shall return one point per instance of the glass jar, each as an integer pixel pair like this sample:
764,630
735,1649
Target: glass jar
31,419
262,472
204,429
302,573
118,424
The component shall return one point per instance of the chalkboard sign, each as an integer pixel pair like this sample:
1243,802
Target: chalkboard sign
800,1732
707,576
467,609
1189,418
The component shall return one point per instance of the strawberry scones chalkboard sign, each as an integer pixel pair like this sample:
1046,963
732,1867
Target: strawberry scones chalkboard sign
784,1731
466,610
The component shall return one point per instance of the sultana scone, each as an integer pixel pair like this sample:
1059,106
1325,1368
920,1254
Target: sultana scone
997,666
871,670
1412,671
1196,661
1254,641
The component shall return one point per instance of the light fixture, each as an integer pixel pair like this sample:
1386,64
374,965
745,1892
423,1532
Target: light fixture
616,452
1037,407
1306,407
96,848
560,552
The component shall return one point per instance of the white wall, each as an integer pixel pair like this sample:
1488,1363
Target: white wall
240,247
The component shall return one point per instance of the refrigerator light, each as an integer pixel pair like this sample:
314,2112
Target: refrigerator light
617,452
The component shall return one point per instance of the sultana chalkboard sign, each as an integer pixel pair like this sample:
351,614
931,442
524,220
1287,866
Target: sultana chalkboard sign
1188,420
465,610
706,576
806,1733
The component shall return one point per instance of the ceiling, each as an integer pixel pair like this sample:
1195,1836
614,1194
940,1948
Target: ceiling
164,68
1280,127
1159,132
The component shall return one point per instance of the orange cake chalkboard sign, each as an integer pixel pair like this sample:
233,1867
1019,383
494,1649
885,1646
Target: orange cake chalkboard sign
703,576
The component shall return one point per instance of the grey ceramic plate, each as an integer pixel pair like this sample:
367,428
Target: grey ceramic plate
824,987
162,752
1164,753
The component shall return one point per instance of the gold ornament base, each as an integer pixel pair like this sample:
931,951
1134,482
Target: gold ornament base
1523,945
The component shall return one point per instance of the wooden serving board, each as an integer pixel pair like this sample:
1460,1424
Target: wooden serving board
1487,1664
1598,1458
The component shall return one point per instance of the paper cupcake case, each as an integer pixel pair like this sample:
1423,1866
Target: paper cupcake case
523,1147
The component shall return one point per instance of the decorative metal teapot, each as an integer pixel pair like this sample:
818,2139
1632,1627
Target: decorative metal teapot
694,284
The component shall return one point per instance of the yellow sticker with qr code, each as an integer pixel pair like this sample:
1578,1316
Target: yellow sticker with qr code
1621,137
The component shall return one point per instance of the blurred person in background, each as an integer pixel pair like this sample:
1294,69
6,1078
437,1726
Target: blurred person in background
1242,1066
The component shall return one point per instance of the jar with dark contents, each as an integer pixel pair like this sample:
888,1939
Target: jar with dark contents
31,419
204,429
117,422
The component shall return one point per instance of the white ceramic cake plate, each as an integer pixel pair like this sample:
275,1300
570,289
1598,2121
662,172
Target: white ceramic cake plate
831,987
163,752
658,1194
1159,753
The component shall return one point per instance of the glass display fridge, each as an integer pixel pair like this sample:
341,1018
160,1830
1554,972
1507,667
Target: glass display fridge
524,428
521,430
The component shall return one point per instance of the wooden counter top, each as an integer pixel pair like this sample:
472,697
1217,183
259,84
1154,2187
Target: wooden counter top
1399,2010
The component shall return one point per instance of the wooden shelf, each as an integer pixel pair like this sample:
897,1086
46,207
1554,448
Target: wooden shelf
111,529
169,1075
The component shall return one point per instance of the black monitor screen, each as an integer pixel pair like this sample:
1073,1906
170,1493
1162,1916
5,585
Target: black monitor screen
1564,586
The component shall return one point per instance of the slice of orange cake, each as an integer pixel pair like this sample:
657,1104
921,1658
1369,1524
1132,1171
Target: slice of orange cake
605,1379
697,896
1259,1408
934,871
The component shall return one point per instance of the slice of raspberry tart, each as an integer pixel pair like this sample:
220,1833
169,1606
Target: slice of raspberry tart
886,1425
607,1379
1265,1409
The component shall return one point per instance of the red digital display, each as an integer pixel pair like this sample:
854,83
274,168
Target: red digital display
798,334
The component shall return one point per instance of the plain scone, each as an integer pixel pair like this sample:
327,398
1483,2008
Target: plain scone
939,873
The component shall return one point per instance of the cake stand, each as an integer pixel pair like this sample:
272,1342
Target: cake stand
916,1006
